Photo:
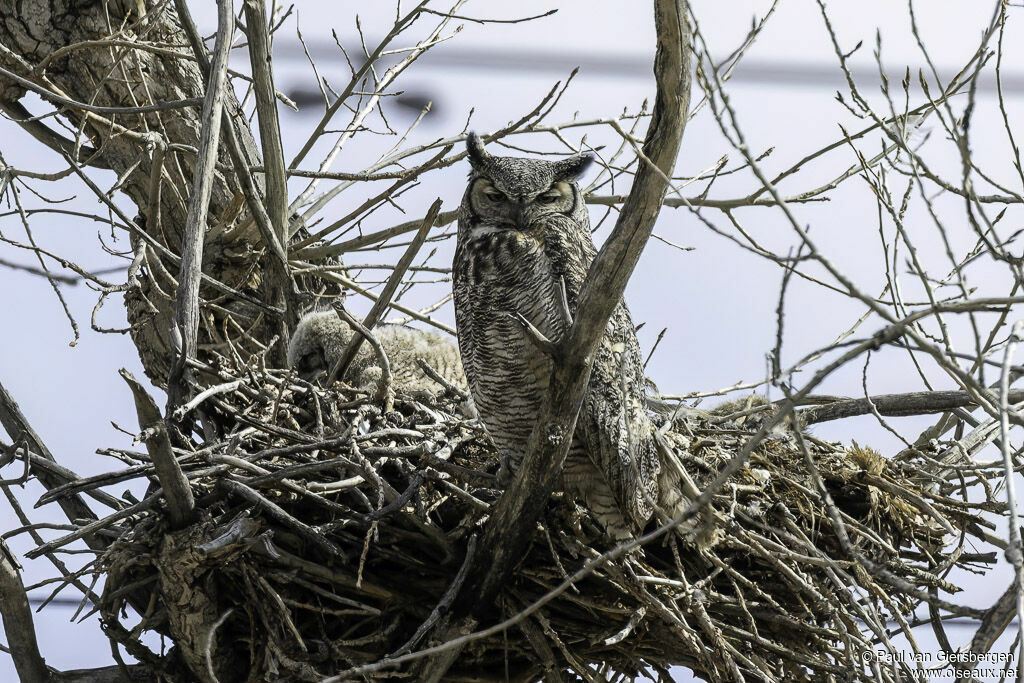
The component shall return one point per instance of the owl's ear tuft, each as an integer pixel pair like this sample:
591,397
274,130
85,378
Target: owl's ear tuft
478,156
573,167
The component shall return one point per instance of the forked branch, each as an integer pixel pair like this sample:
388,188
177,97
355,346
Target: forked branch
515,516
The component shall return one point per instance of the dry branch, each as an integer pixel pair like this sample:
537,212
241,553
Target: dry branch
18,427
895,405
17,621
270,127
153,430
380,306
512,523
186,316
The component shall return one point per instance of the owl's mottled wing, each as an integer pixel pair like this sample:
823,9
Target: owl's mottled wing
613,429
615,425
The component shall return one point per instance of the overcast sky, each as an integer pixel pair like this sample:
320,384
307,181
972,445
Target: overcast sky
717,302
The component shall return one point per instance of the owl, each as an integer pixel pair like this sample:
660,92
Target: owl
320,339
523,232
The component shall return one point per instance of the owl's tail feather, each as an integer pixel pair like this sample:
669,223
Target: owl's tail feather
676,490
585,483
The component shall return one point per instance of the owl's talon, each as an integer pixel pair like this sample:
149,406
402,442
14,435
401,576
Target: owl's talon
504,476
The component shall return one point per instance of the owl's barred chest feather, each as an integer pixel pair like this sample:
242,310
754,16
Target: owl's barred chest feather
503,273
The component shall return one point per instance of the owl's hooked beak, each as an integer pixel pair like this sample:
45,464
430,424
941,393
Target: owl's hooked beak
519,214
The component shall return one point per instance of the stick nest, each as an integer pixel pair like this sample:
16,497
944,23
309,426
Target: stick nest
333,535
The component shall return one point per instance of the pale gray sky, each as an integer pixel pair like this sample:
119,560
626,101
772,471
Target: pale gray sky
718,302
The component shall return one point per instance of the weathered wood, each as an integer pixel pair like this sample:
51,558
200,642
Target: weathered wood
266,116
514,519
186,316
895,405
18,623
176,489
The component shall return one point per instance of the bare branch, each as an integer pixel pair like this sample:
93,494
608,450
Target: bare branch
266,111
512,522
66,102
177,492
17,619
380,306
385,393
186,316
895,405
17,426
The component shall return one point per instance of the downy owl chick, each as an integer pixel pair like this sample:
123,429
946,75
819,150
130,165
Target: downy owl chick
320,339
523,230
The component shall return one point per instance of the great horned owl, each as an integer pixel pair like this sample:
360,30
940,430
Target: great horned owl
320,339
523,230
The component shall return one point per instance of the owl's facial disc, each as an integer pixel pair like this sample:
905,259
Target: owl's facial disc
558,198
493,194
487,200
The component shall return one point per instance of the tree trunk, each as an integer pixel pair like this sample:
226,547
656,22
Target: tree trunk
140,147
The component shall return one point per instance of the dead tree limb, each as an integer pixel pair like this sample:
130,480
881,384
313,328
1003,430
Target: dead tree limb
177,492
270,127
895,405
18,623
514,518
186,316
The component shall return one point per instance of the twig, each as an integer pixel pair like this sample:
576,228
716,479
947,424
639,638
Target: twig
338,248
211,634
54,98
176,489
17,426
436,376
17,619
226,388
304,530
66,279
444,604
385,389
362,291
380,306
